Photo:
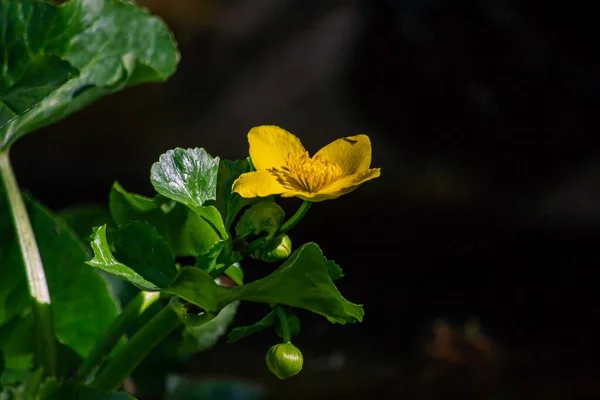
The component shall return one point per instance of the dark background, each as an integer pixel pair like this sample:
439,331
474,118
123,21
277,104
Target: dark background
481,118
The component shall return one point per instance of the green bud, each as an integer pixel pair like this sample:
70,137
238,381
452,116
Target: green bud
278,249
284,360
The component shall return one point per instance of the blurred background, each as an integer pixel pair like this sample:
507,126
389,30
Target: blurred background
473,254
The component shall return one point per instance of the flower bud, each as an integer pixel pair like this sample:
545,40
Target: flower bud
278,249
284,360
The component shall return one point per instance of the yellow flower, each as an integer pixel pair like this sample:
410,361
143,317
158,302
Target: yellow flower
284,167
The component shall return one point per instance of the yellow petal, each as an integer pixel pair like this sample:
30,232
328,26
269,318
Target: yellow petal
270,145
257,184
313,197
337,188
349,183
352,154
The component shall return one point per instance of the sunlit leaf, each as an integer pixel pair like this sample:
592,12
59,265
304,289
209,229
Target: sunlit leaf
188,176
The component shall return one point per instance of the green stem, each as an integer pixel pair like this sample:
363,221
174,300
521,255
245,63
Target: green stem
285,327
116,330
297,217
138,347
36,278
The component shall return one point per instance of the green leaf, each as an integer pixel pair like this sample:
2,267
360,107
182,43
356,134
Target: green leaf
302,281
201,232
334,270
227,202
208,261
261,217
66,390
17,344
139,246
242,332
186,176
185,231
198,287
82,305
106,261
205,336
56,60
126,206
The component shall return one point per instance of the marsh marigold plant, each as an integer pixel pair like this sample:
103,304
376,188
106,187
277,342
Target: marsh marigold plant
182,250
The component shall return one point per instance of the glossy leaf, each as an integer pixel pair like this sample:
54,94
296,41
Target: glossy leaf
54,390
185,231
264,217
302,281
188,176
227,202
82,305
56,60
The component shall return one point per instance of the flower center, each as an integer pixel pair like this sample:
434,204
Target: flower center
307,174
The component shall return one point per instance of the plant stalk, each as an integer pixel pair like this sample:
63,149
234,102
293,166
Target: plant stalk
116,330
285,326
36,277
297,217
134,351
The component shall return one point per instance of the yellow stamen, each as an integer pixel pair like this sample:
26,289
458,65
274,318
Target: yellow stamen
307,174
